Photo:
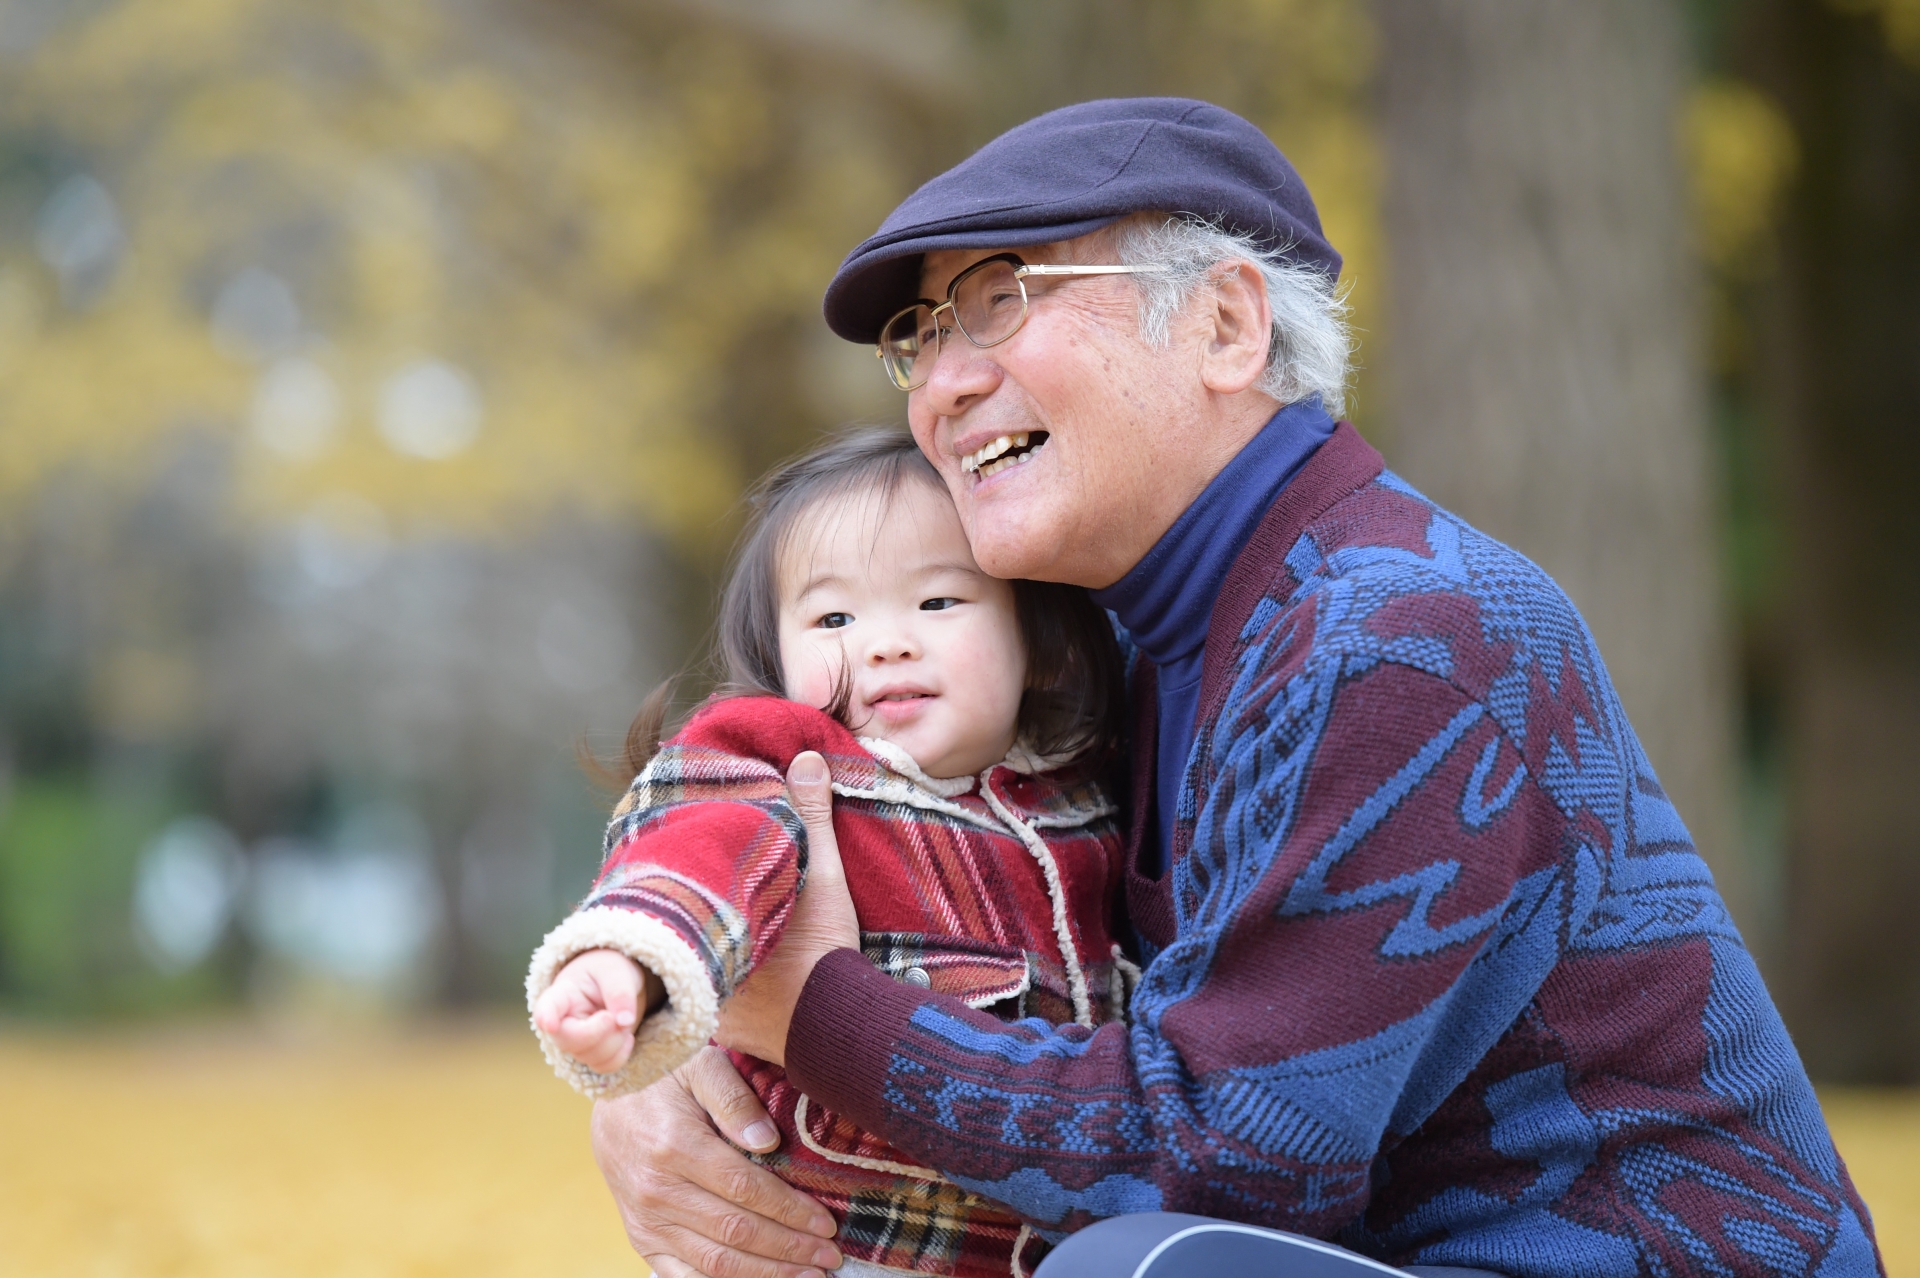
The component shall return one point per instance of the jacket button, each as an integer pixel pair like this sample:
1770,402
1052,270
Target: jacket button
918,976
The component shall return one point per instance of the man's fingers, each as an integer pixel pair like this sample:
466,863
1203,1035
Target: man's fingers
685,1192
719,1238
666,1266
707,1244
812,796
732,1105
771,1217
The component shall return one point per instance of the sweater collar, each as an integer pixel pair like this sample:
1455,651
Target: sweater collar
1166,599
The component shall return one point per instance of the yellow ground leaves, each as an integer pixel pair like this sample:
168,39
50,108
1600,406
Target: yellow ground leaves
229,1153
227,1156
1878,1132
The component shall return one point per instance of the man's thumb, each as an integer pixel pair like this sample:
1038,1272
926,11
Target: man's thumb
812,796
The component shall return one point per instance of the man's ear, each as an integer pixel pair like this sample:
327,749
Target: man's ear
1237,327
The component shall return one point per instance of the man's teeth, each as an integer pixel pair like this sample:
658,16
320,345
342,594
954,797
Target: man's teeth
992,457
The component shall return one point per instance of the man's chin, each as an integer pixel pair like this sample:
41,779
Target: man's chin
1009,544
1002,550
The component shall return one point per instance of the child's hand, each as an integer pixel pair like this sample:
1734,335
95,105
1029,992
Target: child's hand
592,1007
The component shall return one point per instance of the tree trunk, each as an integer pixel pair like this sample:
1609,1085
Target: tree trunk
1543,363
1844,380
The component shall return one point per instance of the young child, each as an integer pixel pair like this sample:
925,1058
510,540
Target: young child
964,721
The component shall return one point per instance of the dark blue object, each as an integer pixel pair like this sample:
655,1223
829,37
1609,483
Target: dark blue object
1167,1244
1072,171
1166,600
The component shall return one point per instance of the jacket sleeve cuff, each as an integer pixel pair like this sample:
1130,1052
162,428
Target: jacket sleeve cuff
841,1039
663,1040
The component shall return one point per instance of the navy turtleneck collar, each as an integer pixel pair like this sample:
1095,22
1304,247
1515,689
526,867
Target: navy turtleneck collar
1166,601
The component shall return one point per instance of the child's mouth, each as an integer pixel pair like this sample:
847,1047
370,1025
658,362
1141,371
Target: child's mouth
899,705
1004,453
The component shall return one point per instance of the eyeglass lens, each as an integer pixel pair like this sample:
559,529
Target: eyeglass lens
989,305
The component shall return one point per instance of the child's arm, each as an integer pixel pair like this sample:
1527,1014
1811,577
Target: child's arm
705,857
594,1005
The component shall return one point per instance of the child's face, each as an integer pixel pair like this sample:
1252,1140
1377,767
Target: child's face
889,587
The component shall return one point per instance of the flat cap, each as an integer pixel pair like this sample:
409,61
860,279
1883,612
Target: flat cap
1075,170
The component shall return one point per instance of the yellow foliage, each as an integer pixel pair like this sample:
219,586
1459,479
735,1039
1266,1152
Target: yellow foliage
1743,153
1899,19
511,263
537,226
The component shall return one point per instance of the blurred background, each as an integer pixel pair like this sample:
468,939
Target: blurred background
378,380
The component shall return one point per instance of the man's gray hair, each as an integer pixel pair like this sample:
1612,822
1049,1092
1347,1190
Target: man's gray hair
1312,348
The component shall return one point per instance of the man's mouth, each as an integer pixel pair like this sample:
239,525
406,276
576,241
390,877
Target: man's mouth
1004,452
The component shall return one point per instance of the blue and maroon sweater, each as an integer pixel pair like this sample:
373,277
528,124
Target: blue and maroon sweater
1433,970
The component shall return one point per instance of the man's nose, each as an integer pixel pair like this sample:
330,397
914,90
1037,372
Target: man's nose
962,373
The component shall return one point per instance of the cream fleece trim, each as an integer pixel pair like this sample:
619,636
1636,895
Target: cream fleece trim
1023,759
1062,929
903,763
1020,1245
664,1040
1073,818
1123,978
856,1160
902,781
896,789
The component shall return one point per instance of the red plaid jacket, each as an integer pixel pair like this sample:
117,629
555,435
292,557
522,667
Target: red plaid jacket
997,889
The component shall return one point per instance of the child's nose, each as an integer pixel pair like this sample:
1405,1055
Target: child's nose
894,647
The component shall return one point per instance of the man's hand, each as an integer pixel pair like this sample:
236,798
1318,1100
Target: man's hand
755,1019
692,1203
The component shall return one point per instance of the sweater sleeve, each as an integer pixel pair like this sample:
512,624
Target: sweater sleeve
1354,930
704,858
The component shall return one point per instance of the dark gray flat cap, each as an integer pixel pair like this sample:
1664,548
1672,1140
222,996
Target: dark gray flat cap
1075,170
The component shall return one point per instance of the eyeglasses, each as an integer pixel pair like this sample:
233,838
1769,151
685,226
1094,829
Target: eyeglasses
987,302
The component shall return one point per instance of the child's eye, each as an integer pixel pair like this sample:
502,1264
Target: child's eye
835,620
941,604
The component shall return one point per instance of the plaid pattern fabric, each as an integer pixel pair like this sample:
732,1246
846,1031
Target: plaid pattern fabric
951,896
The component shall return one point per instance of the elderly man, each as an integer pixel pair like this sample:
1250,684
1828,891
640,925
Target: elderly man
1431,967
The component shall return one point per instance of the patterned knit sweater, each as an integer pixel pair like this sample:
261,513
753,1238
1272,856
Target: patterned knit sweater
996,891
1436,971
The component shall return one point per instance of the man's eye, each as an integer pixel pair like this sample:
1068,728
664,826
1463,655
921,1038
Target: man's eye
835,620
941,604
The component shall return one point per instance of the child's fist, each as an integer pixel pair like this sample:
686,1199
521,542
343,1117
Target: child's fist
592,1007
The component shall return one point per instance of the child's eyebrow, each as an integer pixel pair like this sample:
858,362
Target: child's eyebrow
949,565
817,582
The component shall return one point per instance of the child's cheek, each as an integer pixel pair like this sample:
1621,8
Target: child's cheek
809,674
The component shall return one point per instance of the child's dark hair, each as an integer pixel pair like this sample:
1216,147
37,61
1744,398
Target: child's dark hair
1075,694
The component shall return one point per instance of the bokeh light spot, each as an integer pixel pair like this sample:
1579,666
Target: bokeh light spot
430,409
296,408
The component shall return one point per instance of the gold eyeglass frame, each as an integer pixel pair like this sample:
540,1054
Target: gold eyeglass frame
1020,273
